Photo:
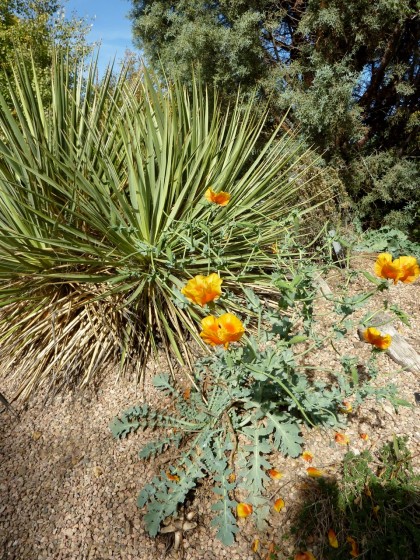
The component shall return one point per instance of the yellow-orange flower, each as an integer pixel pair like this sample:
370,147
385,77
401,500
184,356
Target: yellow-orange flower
410,270
203,289
231,328
354,548
223,330
243,510
304,556
374,337
221,198
307,456
332,538
342,439
405,269
314,473
274,473
279,504
210,332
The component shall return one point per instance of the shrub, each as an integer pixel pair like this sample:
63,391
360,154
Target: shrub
103,217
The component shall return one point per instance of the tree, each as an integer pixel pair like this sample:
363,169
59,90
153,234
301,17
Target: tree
34,29
349,69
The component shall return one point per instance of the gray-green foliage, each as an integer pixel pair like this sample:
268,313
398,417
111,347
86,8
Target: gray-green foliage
249,402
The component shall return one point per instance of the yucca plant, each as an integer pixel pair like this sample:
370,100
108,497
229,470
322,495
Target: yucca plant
103,217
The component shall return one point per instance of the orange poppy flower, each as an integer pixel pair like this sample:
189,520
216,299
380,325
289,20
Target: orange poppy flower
354,548
274,473
409,267
314,473
203,289
304,556
365,437
231,328
223,330
210,332
342,439
279,504
307,456
243,510
386,268
374,337
221,198
332,538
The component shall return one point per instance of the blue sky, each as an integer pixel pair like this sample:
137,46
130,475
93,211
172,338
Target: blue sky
109,25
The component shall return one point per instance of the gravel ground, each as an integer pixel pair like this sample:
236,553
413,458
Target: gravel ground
68,490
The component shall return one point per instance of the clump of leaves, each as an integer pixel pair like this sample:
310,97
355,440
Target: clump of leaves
375,502
258,394
388,240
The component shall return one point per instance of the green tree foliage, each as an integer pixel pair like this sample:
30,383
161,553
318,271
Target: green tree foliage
35,28
349,70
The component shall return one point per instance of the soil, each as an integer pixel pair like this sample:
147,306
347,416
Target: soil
68,490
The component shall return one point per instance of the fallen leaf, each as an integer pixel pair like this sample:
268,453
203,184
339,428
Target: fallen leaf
187,393
332,538
367,491
274,473
243,510
314,473
36,435
232,477
305,556
307,456
279,504
342,439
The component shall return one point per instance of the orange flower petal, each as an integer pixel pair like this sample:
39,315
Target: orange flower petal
374,337
171,476
307,456
279,504
332,538
221,198
314,473
274,473
243,510
210,332
409,267
255,545
385,268
304,556
354,548
365,437
342,439
203,289
346,407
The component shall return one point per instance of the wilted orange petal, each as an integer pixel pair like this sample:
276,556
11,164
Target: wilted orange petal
354,548
221,198
279,504
304,556
255,545
171,476
307,456
243,510
187,393
409,267
346,408
274,473
365,437
342,439
374,337
314,473
332,538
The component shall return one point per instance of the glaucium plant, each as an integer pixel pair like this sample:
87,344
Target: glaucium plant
258,393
